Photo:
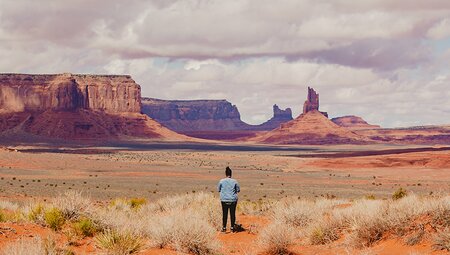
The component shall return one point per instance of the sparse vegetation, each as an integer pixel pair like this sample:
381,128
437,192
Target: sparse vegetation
84,227
189,223
2,216
119,243
35,246
54,218
400,193
276,238
442,240
72,204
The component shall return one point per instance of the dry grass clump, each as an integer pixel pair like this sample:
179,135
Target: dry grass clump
205,204
186,231
441,240
324,232
186,223
366,221
73,204
301,213
255,208
34,246
7,205
35,213
9,211
119,243
276,238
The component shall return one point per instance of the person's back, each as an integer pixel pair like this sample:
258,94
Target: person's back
228,189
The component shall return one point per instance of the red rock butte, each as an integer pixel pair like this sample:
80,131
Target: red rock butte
312,102
75,106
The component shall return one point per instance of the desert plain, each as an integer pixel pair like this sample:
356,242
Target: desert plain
154,171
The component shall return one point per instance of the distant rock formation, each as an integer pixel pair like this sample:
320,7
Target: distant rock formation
195,116
309,128
279,117
312,102
76,106
353,122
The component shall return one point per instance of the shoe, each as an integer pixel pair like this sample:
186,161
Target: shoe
224,230
232,230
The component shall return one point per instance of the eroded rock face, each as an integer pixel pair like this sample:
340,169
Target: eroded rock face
68,92
71,106
207,118
194,115
312,102
279,117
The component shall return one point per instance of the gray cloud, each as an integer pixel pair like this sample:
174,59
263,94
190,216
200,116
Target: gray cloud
253,52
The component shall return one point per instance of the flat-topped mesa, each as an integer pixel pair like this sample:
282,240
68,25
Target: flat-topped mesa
74,106
69,92
194,115
312,102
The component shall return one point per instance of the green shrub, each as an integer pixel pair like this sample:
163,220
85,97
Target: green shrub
84,227
370,197
54,218
35,212
2,216
400,193
137,202
118,243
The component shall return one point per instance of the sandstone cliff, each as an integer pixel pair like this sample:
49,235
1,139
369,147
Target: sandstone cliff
353,122
194,115
67,92
75,106
207,118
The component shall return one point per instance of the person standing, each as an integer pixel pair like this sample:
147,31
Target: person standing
229,189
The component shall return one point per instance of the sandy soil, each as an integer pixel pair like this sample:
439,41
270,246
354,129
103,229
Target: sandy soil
106,173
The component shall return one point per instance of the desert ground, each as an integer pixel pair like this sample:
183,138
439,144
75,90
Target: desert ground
152,172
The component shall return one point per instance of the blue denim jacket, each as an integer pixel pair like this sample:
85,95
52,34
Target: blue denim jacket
228,189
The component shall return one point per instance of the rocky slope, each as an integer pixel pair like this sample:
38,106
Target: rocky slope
72,106
353,122
310,128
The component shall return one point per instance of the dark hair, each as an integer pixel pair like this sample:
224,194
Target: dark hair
228,171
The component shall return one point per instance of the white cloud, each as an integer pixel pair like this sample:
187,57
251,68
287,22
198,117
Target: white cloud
440,30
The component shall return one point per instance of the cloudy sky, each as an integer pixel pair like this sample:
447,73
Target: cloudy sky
387,61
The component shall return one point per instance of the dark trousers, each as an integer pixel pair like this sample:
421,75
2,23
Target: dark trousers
232,207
